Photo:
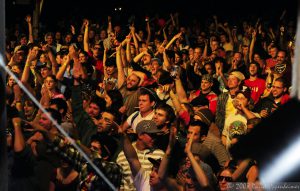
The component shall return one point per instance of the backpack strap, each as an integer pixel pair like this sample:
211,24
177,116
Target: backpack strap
134,116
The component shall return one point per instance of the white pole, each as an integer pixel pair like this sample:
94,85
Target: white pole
295,67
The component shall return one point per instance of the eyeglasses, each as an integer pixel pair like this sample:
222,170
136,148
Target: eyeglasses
227,178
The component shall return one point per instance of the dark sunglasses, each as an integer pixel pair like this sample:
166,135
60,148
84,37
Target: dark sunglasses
227,178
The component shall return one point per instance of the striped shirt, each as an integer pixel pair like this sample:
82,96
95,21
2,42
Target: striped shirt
127,181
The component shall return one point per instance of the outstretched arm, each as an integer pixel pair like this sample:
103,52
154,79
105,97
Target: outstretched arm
131,155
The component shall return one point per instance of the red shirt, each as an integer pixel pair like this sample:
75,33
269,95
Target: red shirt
257,87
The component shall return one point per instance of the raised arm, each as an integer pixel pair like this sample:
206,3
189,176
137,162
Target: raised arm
19,141
128,51
25,75
131,155
251,49
63,67
86,36
173,40
170,183
180,90
135,41
148,33
200,174
121,73
28,20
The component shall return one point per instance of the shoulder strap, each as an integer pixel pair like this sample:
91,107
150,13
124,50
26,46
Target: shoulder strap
134,116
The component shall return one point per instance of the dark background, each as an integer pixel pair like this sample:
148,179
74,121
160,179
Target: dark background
61,13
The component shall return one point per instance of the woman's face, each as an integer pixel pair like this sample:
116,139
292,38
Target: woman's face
50,83
223,179
11,81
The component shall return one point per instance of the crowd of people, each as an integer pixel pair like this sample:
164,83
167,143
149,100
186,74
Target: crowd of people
155,106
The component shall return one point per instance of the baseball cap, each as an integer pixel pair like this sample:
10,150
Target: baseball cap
246,92
147,126
206,115
238,74
155,162
200,150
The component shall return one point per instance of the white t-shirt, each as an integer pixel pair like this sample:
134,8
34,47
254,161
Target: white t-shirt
138,119
235,124
141,181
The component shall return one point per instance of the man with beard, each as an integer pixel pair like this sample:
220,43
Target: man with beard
163,117
255,83
278,97
128,86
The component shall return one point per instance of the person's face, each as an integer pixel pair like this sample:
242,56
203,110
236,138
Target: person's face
237,57
45,122
280,57
45,71
277,89
257,58
223,183
110,70
68,38
95,147
11,81
49,39
57,35
273,52
50,83
105,122
253,69
214,45
177,58
145,104
245,50
223,38
208,69
108,101
242,100
28,109
233,82
16,69
154,178
132,82
35,49
23,41
197,53
206,85
43,58
20,56
82,58
196,131
146,59
160,117
103,34
155,67
93,110
147,140
80,38
96,51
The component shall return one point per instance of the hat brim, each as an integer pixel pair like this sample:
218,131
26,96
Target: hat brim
155,162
